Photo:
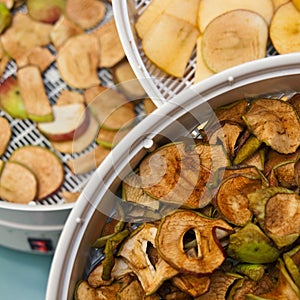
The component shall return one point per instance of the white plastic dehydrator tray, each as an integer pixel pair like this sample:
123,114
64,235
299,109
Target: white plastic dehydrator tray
37,226
160,86
178,117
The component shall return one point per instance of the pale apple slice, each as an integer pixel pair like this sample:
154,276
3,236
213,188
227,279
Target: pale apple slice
5,134
34,95
201,69
186,10
210,9
62,30
149,16
45,11
46,166
70,122
24,34
284,29
10,98
233,38
37,56
86,13
88,161
82,142
169,44
78,59
111,108
70,197
69,97
111,50
18,184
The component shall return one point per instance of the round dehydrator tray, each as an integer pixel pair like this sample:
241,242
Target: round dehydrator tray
36,227
274,76
160,86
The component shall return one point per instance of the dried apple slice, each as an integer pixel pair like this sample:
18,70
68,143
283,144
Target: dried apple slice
284,32
10,98
111,50
5,17
169,44
233,38
80,143
69,97
86,13
127,82
33,93
62,30
46,166
24,34
170,246
77,61
291,260
18,183
38,56
275,123
210,9
70,122
110,138
45,11
8,3
277,3
5,134
88,161
110,107
296,3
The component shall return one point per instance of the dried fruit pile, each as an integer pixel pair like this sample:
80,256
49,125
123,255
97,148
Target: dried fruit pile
223,33
75,40
215,217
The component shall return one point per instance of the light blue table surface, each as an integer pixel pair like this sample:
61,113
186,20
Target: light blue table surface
23,275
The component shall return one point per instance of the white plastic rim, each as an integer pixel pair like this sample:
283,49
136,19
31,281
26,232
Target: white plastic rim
269,75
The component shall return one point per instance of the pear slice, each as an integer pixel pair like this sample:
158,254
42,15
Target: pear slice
169,44
234,38
284,29
201,69
210,9
5,134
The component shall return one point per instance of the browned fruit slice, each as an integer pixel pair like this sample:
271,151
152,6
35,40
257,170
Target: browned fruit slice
111,50
78,59
170,246
275,123
62,30
69,97
33,92
86,13
177,175
24,34
233,38
46,166
284,29
17,183
5,134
